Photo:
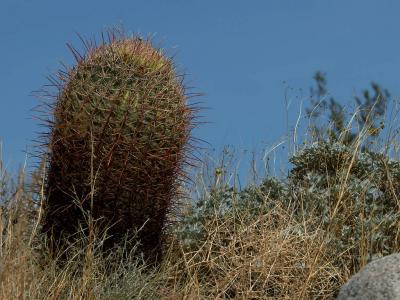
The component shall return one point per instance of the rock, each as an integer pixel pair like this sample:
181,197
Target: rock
378,280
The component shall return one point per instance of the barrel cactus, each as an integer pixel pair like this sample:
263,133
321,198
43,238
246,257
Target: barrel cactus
119,138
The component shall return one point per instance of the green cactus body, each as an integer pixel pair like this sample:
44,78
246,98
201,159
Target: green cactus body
118,143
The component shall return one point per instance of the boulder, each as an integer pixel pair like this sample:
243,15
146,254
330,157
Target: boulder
378,280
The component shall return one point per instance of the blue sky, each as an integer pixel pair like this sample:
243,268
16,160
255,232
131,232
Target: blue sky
239,53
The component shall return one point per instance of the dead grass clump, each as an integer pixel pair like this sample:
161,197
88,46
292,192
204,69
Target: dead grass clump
267,256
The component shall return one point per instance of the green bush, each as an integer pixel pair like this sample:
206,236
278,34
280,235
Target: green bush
353,195
350,194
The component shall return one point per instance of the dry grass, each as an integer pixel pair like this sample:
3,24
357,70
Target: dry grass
272,255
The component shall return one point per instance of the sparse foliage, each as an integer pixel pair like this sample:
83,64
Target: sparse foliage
371,110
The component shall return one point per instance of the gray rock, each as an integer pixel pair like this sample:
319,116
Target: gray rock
378,280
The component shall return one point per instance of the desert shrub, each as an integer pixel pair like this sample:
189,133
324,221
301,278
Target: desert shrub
352,194
244,244
192,228
345,197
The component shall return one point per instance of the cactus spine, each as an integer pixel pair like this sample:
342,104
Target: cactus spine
118,142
